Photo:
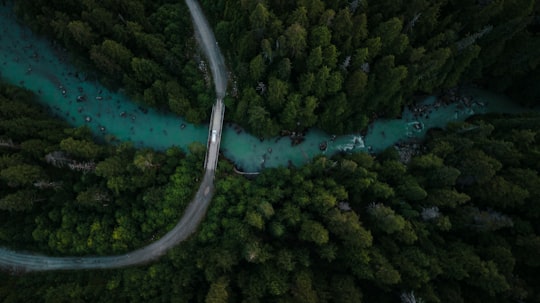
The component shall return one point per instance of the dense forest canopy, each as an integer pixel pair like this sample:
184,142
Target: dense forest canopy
457,223
65,194
297,64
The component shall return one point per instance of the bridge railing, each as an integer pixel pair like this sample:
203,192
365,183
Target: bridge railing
215,124
220,130
209,135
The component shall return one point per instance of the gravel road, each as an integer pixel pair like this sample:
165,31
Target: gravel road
18,262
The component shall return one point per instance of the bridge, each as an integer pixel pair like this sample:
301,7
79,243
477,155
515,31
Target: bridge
214,135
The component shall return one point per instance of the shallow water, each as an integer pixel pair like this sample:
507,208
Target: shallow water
36,64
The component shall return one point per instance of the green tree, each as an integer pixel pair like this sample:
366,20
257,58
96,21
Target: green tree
386,219
348,228
21,200
94,196
249,99
296,36
307,83
327,17
393,42
111,167
145,160
178,103
145,70
255,219
283,70
330,56
257,67
34,147
81,148
428,73
277,94
446,197
356,84
360,25
315,59
118,53
302,288
385,96
105,63
307,115
258,119
81,32
21,174
299,16
500,193
344,289
384,273
321,77
218,291
259,17
100,18
412,191
314,7
442,177
477,167
320,36
342,26
334,82
374,46
313,231
290,114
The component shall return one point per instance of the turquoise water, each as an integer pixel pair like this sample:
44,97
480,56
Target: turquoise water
38,65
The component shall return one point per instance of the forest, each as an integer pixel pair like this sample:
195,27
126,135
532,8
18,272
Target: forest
335,65
457,223
122,197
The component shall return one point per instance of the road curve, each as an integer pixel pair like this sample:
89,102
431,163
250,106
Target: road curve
210,47
18,262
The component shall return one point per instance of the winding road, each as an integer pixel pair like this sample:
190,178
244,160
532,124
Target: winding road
18,262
